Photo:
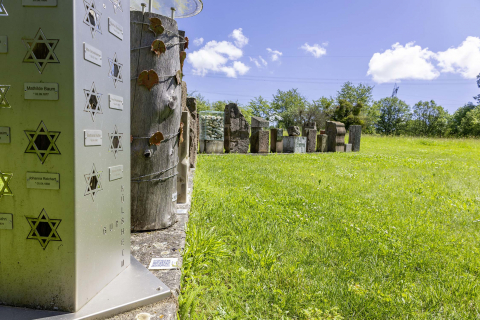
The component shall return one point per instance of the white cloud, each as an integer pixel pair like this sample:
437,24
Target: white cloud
260,62
198,42
263,61
403,62
216,56
238,37
465,59
316,50
413,62
274,54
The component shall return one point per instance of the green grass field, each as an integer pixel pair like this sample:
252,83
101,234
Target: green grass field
387,233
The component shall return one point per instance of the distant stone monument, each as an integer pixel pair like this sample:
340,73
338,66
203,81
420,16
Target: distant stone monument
311,135
259,138
276,140
336,136
211,132
293,131
354,136
348,147
193,136
308,126
237,130
322,143
294,143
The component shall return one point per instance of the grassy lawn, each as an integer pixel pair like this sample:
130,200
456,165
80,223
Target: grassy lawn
387,233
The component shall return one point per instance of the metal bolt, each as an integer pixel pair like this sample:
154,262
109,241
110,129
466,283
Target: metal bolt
173,12
143,7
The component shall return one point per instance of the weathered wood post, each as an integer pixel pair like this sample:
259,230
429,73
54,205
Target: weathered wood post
193,136
184,163
155,108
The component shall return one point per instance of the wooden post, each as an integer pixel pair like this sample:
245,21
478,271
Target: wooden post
154,168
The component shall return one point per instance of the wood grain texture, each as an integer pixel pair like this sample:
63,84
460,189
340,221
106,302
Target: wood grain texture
152,205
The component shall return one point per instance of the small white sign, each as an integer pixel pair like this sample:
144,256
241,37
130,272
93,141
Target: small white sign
93,138
39,3
115,102
38,180
174,197
3,44
6,221
163,264
115,28
116,173
41,91
4,134
92,54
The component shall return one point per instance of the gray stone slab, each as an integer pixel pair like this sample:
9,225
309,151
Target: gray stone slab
294,144
354,137
293,131
348,147
322,143
258,122
336,136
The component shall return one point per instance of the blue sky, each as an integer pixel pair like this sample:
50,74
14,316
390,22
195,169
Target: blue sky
430,48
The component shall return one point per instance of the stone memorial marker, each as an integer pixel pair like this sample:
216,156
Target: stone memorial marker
336,136
308,126
276,140
322,143
294,144
293,131
237,130
348,147
354,137
64,208
259,138
311,135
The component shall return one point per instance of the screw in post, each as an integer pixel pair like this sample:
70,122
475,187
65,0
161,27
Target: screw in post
143,7
173,12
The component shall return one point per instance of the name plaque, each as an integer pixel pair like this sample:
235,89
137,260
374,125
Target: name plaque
92,54
93,138
115,28
115,102
39,3
3,44
41,91
116,173
6,221
39,180
4,134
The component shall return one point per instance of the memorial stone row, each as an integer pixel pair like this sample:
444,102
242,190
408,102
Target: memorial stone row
239,136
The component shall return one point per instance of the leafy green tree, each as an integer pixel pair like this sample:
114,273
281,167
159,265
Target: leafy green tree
260,107
470,125
361,93
348,113
456,119
288,105
393,115
321,110
429,119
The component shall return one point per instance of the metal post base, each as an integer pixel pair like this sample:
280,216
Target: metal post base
133,288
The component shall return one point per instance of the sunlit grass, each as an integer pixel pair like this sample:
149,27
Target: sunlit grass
387,233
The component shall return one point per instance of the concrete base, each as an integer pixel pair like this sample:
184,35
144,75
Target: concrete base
133,288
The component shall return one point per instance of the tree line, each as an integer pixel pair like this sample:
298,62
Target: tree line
354,105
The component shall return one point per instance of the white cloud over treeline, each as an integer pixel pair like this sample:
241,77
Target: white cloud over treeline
412,62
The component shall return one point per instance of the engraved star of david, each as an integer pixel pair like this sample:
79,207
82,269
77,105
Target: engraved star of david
42,142
41,51
117,4
94,182
43,229
3,11
92,17
115,71
93,101
3,96
4,187
115,142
